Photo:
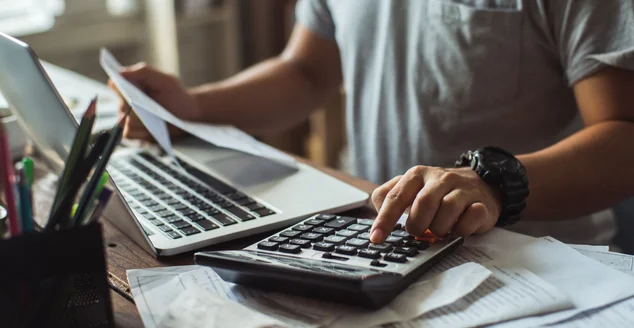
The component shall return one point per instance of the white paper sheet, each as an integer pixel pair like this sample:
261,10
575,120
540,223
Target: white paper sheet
559,265
619,315
422,297
155,289
618,261
220,135
595,248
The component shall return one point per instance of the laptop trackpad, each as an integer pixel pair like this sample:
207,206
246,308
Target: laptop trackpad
246,170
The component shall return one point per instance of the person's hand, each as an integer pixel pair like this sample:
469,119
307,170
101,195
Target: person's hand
441,200
165,89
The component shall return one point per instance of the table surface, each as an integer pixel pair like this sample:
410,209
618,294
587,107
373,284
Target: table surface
123,254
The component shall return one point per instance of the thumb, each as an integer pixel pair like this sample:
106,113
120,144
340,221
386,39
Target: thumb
146,77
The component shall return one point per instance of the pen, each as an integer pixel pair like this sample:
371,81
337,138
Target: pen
77,153
8,181
104,197
26,206
90,190
28,170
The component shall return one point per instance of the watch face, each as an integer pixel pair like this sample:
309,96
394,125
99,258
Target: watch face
501,161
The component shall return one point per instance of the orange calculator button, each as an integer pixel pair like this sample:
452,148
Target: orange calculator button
428,236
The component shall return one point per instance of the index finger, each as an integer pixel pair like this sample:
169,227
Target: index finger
396,202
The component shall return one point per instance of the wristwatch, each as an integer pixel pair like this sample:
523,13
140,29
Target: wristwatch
503,171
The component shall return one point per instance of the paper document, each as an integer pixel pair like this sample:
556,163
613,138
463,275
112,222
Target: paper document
602,248
154,116
618,261
155,290
619,315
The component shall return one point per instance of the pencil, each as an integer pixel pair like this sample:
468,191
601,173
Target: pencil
8,182
77,153
104,197
90,193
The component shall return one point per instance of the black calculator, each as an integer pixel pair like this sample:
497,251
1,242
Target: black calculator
331,258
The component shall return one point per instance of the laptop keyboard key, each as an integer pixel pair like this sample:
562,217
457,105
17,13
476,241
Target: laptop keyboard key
369,253
164,213
324,246
207,225
224,219
197,217
211,211
190,231
289,248
156,222
341,222
242,215
173,234
181,224
264,212
268,246
165,228
245,201
254,206
172,218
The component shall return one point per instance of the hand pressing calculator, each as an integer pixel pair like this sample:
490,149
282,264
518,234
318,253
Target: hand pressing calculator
330,257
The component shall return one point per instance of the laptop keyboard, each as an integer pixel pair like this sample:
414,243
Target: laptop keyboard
177,204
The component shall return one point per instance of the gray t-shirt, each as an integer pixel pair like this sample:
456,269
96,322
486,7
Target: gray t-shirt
428,79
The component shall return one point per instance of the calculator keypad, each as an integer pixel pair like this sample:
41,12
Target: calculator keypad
342,238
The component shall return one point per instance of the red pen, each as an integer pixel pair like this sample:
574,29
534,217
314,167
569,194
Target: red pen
8,181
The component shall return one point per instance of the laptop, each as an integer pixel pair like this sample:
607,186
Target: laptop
214,195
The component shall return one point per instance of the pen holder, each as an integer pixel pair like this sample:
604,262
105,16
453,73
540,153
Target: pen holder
55,279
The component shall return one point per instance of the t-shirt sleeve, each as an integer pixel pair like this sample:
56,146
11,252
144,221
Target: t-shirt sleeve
593,34
315,15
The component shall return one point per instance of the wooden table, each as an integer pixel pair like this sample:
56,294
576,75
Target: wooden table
123,254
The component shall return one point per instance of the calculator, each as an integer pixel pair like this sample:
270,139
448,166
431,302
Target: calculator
331,258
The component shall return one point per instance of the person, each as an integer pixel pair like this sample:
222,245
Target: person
428,80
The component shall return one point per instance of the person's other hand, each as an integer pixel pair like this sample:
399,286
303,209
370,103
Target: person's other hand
441,200
165,89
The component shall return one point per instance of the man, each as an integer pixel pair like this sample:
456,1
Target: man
427,80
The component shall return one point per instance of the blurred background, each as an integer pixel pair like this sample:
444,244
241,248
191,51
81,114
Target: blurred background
198,40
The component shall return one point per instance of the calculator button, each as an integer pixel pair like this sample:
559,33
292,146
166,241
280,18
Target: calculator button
397,226
174,234
365,235
407,251
376,263
419,244
207,225
394,257
394,240
367,222
346,250
334,257
278,239
383,248
359,227
341,222
429,237
337,240
325,217
288,248
324,246
400,233
311,236
290,233
356,242
303,243
346,233
369,253
268,246
324,230
302,227
314,222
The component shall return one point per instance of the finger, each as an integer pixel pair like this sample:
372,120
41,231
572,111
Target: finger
471,220
378,195
425,207
451,207
397,200
146,77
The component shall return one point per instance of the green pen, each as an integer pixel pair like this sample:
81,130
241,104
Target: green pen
28,169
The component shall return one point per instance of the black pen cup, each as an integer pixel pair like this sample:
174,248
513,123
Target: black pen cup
55,279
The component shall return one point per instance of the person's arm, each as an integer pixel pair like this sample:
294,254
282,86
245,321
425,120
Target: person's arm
276,93
594,168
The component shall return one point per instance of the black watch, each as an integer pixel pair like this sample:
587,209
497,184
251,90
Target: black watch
503,171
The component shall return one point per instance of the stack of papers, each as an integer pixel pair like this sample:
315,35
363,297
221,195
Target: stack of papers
500,278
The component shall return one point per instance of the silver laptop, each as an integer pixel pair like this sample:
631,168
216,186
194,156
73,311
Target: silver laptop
218,194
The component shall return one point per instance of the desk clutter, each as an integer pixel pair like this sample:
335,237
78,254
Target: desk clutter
58,273
500,278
